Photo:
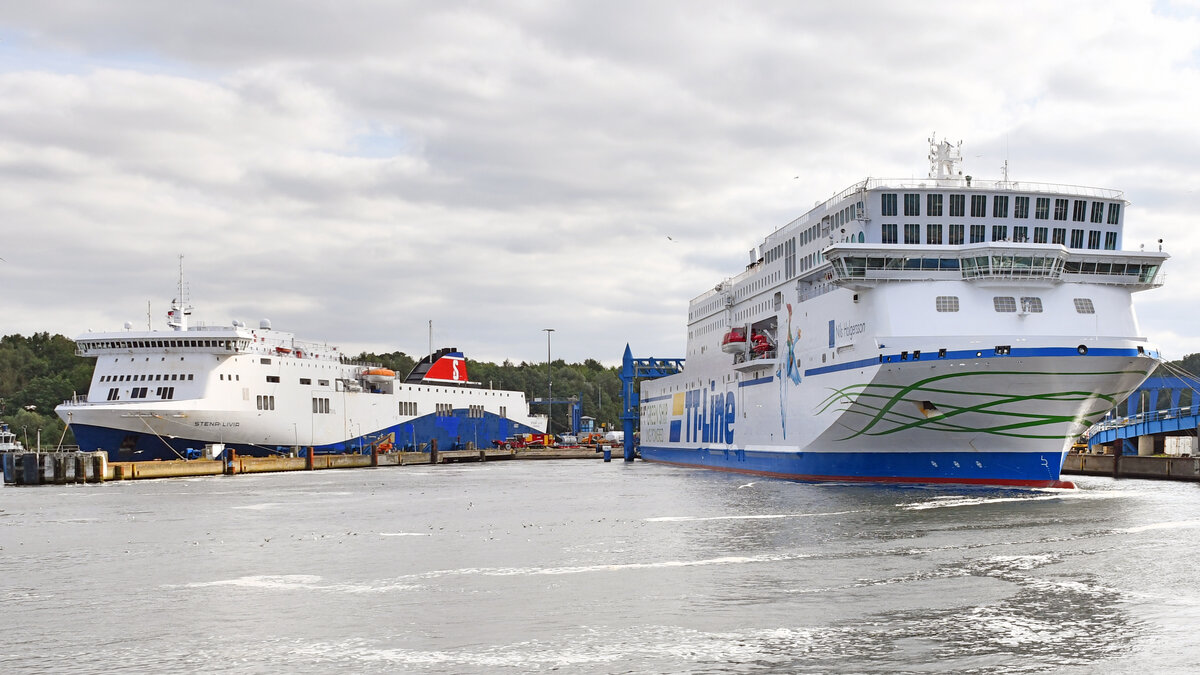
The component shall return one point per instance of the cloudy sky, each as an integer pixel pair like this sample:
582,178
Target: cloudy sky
353,170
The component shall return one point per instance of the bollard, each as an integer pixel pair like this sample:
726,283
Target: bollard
308,459
433,458
374,455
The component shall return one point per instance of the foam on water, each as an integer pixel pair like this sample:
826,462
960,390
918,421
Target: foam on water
765,516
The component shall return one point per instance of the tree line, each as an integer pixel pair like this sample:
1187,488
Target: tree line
41,371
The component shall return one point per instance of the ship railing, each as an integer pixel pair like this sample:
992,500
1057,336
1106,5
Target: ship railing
977,185
1139,418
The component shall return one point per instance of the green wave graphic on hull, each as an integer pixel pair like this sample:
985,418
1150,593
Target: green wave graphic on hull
879,406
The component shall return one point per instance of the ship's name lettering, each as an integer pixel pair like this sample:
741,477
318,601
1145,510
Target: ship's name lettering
709,416
217,424
849,330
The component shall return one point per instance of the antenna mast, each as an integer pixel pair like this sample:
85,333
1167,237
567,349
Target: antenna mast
177,317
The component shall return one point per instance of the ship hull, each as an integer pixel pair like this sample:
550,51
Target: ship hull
418,434
968,417
1014,469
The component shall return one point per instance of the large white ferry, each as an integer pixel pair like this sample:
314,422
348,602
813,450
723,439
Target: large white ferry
944,330
168,394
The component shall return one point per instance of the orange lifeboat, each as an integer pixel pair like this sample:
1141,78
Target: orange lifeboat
734,341
378,374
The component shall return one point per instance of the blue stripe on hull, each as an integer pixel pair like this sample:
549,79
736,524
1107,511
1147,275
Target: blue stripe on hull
132,446
1029,469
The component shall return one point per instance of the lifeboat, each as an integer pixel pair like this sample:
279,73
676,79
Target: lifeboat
734,341
378,374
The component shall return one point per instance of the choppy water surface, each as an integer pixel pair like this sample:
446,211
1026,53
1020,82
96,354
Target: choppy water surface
580,566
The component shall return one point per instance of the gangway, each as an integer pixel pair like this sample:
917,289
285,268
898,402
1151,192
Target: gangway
633,370
1144,415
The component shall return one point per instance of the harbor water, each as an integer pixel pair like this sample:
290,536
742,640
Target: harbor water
585,567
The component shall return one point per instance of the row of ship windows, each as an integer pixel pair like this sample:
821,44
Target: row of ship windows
933,207
165,393
1008,304
160,344
978,233
320,406
758,284
146,378
265,402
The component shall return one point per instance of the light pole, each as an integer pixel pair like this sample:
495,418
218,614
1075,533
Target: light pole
549,386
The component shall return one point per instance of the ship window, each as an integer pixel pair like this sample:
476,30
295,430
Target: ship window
889,233
1005,303
222,376
1060,209
933,233
912,204
1080,211
305,380
265,362
947,303
1084,306
272,378
958,206
1097,212
887,204
1000,206
999,233
1094,239
1059,236
1042,211
978,234
1039,235
955,234
323,383
933,205
1021,207
114,394
1020,233
978,206
912,233
504,411
1076,238
1110,241
1114,214
1031,305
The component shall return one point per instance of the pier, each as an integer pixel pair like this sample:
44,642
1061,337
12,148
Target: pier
61,468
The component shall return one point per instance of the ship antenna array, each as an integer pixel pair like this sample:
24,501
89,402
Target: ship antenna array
944,159
177,317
